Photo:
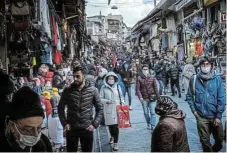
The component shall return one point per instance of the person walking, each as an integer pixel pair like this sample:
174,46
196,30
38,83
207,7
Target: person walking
23,127
126,75
147,92
188,72
160,75
80,98
207,99
174,74
111,96
170,134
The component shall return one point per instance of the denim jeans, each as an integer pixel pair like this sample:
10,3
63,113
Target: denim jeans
149,112
161,86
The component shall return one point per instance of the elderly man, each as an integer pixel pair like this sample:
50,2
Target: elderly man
23,130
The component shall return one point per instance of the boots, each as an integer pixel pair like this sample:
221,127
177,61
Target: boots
115,147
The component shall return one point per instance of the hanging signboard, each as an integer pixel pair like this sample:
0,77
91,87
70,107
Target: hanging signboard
223,17
209,2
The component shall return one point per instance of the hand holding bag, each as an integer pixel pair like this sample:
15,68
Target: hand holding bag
20,8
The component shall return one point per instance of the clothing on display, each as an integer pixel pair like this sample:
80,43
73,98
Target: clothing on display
164,40
180,51
155,44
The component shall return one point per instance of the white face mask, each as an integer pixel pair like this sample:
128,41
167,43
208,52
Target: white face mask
145,72
206,70
26,140
111,82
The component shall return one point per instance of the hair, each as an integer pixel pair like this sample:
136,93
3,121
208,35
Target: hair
145,65
78,68
204,59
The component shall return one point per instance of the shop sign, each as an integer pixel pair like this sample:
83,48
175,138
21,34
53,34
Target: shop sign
223,17
180,4
209,2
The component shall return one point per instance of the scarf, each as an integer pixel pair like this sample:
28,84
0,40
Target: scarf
206,77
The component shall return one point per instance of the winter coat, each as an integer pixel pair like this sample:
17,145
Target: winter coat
170,134
207,98
146,86
174,72
114,94
99,83
160,72
122,85
80,107
10,145
127,77
188,71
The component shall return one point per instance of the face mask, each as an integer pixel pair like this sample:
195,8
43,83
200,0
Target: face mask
145,72
111,82
26,140
205,69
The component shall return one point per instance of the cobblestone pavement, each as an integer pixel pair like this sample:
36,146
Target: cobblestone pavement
138,138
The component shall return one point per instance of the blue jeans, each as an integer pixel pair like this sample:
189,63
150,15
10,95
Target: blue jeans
149,112
161,86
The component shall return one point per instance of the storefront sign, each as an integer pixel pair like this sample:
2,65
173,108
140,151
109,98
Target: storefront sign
181,3
209,2
223,17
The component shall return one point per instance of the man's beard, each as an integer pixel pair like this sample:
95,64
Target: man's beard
78,84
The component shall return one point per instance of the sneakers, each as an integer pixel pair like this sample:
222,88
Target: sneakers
148,127
115,147
130,107
111,140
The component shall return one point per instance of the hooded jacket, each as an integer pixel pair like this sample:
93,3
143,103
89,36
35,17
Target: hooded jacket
80,107
114,94
146,86
170,134
208,98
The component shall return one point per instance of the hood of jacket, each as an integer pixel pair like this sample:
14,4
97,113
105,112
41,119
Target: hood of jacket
111,74
175,113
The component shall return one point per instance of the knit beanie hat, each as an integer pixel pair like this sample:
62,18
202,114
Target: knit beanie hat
25,103
46,94
165,105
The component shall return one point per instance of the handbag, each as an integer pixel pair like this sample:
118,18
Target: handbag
21,25
123,116
20,8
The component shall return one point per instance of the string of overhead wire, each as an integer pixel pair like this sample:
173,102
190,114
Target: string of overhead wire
119,5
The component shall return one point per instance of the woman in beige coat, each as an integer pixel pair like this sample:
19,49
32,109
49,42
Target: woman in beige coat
111,96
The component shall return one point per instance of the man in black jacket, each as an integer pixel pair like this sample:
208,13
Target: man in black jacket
174,73
80,98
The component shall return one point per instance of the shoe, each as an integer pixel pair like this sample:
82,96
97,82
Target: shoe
172,95
130,108
111,140
148,127
115,148
179,95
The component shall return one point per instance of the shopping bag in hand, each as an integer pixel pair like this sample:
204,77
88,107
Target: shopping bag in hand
123,117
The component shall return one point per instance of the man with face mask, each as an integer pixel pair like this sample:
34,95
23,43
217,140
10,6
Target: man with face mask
80,98
207,99
147,92
23,129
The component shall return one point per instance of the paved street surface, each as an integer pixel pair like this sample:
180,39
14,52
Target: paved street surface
138,138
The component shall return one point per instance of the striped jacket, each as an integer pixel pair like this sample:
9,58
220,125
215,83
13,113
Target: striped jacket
80,107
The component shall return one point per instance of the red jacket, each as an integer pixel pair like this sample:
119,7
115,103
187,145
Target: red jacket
146,86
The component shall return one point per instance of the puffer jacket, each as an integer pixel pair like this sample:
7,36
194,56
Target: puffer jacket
170,134
174,72
80,107
207,98
114,94
160,72
146,86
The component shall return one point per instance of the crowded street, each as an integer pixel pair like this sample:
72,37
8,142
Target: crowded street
113,76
